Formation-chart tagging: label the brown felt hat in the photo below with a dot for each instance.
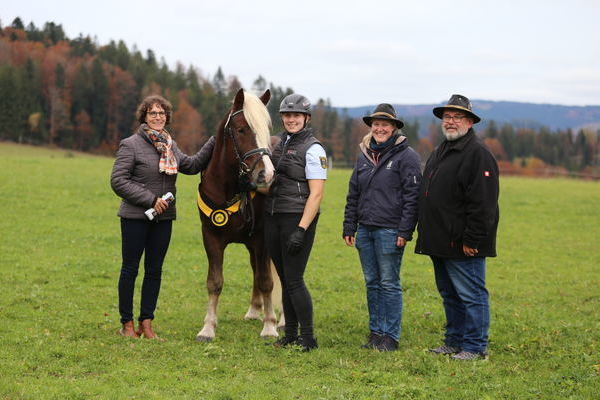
(457, 102)
(386, 112)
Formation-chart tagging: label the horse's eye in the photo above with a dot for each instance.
(240, 130)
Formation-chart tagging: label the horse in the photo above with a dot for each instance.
(231, 207)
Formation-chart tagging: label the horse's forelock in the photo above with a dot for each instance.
(258, 118)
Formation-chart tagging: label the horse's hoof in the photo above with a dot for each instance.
(204, 339)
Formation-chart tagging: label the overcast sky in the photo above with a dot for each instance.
(360, 52)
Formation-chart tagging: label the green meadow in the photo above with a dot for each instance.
(60, 261)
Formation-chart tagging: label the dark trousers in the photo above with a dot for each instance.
(461, 283)
(297, 303)
(139, 236)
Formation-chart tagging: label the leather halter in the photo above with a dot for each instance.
(261, 151)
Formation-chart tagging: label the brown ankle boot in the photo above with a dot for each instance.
(128, 330)
(145, 330)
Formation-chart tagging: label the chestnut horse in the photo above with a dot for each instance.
(231, 209)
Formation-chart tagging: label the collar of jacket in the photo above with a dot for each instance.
(295, 136)
(140, 131)
(461, 142)
(364, 145)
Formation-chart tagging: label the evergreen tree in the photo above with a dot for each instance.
(17, 24)
(99, 100)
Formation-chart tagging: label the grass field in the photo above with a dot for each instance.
(60, 260)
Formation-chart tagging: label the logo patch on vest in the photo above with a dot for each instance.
(389, 166)
(323, 162)
(291, 151)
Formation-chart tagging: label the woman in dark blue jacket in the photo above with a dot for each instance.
(381, 210)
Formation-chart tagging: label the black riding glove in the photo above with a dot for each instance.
(245, 185)
(296, 240)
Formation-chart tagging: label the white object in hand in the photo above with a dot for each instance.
(151, 212)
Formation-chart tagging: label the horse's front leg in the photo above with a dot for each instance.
(263, 281)
(214, 284)
(256, 300)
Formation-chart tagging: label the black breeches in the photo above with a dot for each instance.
(297, 303)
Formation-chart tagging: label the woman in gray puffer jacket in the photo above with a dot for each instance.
(145, 169)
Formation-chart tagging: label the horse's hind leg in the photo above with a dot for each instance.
(214, 284)
(276, 295)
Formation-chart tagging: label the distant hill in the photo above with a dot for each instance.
(520, 115)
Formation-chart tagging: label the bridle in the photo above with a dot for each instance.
(244, 169)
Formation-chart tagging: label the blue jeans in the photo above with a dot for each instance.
(381, 259)
(461, 283)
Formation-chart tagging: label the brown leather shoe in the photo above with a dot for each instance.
(145, 330)
(128, 330)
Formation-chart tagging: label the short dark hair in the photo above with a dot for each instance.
(147, 104)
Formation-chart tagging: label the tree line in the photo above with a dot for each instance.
(78, 94)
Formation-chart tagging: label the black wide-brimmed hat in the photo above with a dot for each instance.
(457, 102)
(386, 112)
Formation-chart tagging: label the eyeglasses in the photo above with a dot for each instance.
(455, 118)
(155, 114)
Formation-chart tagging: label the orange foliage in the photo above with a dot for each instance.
(425, 147)
(496, 148)
(186, 126)
(83, 130)
(120, 86)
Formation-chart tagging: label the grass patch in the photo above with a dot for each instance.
(61, 259)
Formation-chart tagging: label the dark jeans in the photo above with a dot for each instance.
(380, 259)
(461, 283)
(139, 236)
(297, 303)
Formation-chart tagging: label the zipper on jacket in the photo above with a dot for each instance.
(429, 178)
(299, 190)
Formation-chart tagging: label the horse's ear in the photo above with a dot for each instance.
(266, 96)
(238, 102)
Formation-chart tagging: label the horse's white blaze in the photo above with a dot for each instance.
(269, 169)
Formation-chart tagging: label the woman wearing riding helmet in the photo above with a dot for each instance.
(292, 207)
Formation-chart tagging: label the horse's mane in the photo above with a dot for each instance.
(258, 118)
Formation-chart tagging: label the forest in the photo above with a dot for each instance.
(75, 93)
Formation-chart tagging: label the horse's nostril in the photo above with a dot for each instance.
(261, 177)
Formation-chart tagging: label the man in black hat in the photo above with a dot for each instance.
(458, 219)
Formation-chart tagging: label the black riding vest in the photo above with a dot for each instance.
(289, 191)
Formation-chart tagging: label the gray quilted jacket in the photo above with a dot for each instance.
(136, 179)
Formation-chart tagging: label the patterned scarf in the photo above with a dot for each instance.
(163, 143)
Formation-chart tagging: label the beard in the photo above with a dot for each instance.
(457, 134)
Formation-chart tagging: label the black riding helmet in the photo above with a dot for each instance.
(295, 103)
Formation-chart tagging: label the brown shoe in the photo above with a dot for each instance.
(145, 330)
(128, 330)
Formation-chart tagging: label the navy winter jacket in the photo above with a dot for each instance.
(384, 193)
